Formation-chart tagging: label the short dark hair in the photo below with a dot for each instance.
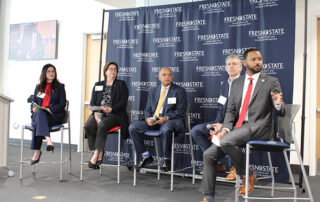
(245, 54)
(107, 66)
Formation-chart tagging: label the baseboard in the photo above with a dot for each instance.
(27, 143)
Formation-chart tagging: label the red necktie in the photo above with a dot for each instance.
(245, 104)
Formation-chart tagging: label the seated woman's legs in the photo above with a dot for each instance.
(41, 130)
(97, 137)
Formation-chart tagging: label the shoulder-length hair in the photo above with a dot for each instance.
(43, 79)
(105, 68)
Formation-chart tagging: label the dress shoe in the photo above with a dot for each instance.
(232, 174)
(145, 161)
(221, 168)
(252, 180)
(166, 166)
(32, 162)
(50, 148)
(93, 165)
(206, 200)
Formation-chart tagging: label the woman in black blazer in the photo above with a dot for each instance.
(51, 95)
(109, 98)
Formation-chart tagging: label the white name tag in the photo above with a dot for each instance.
(222, 100)
(98, 88)
(41, 95)
(172, 100)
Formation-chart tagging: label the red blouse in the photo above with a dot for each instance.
(46, 99)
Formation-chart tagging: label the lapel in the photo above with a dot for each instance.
(225, 88)
(169, 94)
(156, 97)
(261, 80)
(239, 90)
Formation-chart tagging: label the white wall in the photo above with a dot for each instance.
(75, 17)
(78, 17)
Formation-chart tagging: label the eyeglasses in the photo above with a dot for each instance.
(112, 69)
(51, 71)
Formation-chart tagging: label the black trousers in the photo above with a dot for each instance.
(97, 132)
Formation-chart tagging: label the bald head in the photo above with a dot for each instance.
(165, 76)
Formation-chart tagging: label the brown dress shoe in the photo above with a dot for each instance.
(232, 174)
(221, 168)
(252, 180)
(204, 200)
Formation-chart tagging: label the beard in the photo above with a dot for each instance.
(255, 69)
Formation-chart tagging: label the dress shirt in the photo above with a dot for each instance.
(162, 87)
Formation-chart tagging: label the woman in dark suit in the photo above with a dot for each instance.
(51, 95)
(109, 97)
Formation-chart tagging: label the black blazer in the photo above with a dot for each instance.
(119, 96)
(57, 103)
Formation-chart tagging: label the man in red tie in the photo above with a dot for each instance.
(253, 99)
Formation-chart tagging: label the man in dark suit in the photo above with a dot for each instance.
(200, 133)
(164, 111)
(253, 98)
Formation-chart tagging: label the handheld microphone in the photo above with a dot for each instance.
(209, 127)
(154, 118)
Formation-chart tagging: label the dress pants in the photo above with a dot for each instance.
(138, 128)
(230, 145)
(41, 122)
(200, 135)
(97, 132)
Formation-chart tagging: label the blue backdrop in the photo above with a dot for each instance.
(193, 40)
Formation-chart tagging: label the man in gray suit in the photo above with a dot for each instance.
(253, 98)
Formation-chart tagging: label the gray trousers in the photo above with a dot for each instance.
(97, 133)
(230, 145)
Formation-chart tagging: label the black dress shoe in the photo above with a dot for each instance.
(50, 148)
(145, 161)
(166, 166)
(32, 162)
(92, 165)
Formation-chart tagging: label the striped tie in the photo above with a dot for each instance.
(161, 101)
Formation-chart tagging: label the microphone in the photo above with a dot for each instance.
(209, 127)
(154, 118)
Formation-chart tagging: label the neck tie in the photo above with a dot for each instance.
(160, 102)
(245, 104)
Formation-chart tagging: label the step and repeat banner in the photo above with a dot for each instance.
(193, 40)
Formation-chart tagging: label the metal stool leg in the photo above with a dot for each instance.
(158, 159)
(134, 167)
(172, 162)
(21, 151)
(81, 154)
(69, 131)
(271, 172)
(237, 187)
(119, 150)
(61, 154)
(247, 171)
(192, 159)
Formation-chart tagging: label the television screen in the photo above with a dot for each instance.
(33, 41)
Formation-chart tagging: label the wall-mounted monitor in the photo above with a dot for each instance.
(33, 41)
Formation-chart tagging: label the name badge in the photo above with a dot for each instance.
(98, 88)
(172, 100)
(222, 100)
(41, 95)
